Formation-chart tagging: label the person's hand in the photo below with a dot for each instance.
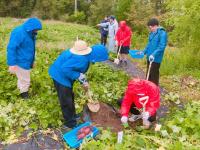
(151, 58)
(98, 25)
(86, 86)
(33, 65)
(82, 78)
(139, 53)
(12, 69)
(124, 119)
(146, 122)
(145, 115)
(116, 43)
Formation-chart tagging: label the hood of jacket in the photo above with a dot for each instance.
(32, 24)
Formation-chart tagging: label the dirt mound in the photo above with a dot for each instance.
(107, 117)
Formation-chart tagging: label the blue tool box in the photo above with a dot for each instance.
(71, 136)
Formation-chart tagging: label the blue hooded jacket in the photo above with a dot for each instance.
(68, 66)
(21, 47)
(156, 45)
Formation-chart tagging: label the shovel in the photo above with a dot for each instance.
(93, 106)
(116, 60)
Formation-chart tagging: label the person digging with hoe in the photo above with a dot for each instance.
(142, 99)
(70, 66)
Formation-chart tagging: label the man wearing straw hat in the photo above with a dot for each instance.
(70, 66)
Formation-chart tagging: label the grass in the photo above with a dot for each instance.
(43, 108)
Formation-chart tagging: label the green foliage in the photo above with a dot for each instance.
(140, 13)
(184, 17)
(123, 9)
(42, 110)
(180, 131)
(99, 9)
(79, 17)
(22, 8)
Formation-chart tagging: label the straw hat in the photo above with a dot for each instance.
(80, 48)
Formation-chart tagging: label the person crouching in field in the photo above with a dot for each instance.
(123, 41)
(142, 99)
(71, 65)
(21, 53)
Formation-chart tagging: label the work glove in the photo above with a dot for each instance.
(145, 117)
(134, 117)
(151, 58)
(82, 78)
(124, 119)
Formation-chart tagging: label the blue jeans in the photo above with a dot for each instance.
(66, 98)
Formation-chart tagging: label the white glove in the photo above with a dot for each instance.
(151, 58)
(124, 119)
(145, 115)
(82, 79)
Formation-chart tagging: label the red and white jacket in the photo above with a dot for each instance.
(138, 90)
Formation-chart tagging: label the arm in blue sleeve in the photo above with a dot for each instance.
(104, 24)
(162, 43)
(146, 48)
(14, 43)
(70, 72)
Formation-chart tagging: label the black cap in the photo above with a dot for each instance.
(153, 22)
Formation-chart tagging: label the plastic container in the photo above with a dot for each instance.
(133, 54)
(71, 136)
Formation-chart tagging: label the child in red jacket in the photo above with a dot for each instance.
(123, 40)
(142, 98)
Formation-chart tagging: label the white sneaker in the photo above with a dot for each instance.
(134, 118)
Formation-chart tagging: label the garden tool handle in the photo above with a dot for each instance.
(149, 69)
(120, 46)
(89, 95)
(145, 99)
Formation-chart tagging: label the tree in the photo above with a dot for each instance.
(140, 13)
(123, 9)
(99, 9)
(184, 16)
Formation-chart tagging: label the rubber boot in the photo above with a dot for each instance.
(24, 95)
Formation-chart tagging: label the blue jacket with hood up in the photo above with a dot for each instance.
(156, 45)
(68, 66)
(21, 47)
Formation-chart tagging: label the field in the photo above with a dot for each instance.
(180, 129)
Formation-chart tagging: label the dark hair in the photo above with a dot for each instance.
(112, 17)
(153, 22)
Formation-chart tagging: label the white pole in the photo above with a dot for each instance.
(75, 7)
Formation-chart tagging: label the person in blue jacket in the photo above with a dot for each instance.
(104, 31)
(71, 65)
(21, 53)
(155, 48)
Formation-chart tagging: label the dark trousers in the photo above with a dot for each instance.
(66, 98)
(103, 39)
(135, 111)
(154, 72)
